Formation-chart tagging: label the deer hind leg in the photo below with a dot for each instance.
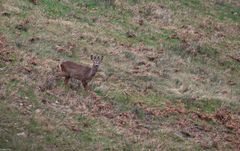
(65, 75)
(66, 79)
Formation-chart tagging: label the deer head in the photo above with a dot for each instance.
(96, 60)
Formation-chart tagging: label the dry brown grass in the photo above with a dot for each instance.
(168, 86)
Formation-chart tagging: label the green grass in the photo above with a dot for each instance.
(129, 55)
(12, 85)
(120, 97)
(13, 134)
(208, 106)
(55, 9)
(28, 93)
(34, 126)
(108, 117)
(227, 11)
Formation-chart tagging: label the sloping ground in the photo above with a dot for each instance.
(169, 79)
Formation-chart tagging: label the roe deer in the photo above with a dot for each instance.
(83, 73)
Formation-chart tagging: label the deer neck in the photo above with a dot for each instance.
(93, 71)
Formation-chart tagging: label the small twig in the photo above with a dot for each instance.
(234, 58)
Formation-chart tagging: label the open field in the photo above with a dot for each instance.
(169, 80)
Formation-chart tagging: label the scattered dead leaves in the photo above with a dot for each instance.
(72, 125)
(201, 133)
(189, 35)
(102, 108)
(33, 61)
(129, 123)
(3, 45)
(155, 12)
(5, 50)
(223, 115)
(169, 110)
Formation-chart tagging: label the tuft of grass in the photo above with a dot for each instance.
(34, 126)
(11, 86)
(154, 100)
(120, 97)
(208, 105)
(208, 51)
(55, 8)
(28, 93)
(101, 90)
(227, 64)
(226, 11)
(85, 121)
(94, 3)
(110, 71)
(129, 55)
(139, 112)
(196, 4)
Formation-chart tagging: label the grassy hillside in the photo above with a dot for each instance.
(169, 80)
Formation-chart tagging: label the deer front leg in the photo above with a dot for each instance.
(84, 83)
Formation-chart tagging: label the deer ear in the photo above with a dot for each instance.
(91, 57)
